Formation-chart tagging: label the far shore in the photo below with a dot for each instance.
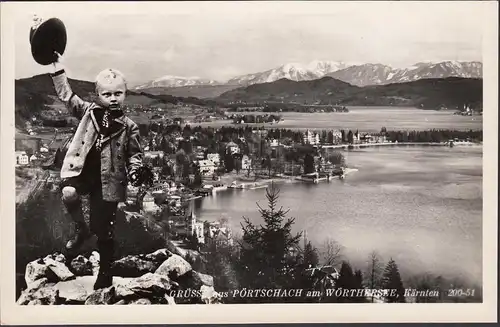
(243, 182)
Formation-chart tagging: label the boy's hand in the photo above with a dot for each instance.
(58, 64)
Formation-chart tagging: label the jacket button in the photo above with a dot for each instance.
(70, 165)
(118, 143)
(83, 142)
(119, 156)
(77, 154)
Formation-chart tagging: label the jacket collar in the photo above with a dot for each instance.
(120, 120)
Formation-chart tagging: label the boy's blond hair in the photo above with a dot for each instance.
(108, 76)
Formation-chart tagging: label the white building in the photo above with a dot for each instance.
(246, 162)
(207, 167)
(274, 142)
(311, 138)
(337, 136)
(197, 227)
(22, 158)
(148, 203)
(214, 157)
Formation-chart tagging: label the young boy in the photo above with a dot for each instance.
(104, 154)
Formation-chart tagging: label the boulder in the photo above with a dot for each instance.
(94, 259)
(133, 266)
(101, 296)
(51, 267)
(81, 266)
(79, 289)
(142, 301)
(184, 253)
(123, 291)
(37, 284)
(59, 257)
(209, 295)
(59, 269)
(174, 267)
(150, 285)
(38, 269)
(46, 295)
(196, 280)
(27, 295)
(75, 290)
(159, 255)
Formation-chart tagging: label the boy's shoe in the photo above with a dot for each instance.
(104, 279)
(82, 234)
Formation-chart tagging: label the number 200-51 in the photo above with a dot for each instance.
(460, 292)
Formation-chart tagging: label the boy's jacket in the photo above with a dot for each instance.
(121, 153)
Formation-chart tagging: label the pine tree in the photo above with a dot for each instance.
(392, 281)
(345, 281)
(358, 284)
(308, 164)
(267, 257)
(310, 256)
(373, 272)
(193, 243)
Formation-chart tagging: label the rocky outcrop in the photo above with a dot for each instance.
(133, 266)
(51, 267)
(174, 267)
(159, 277)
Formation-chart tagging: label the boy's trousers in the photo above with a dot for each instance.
(102, 213)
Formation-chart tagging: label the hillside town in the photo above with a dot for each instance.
(188, 163)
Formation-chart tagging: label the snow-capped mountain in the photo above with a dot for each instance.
(293, 71)
(376, 74)
(353, 73)
(176, 81)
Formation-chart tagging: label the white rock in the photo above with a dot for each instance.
(59, 269)
(37, 269)
(150, 284)
(95, 259)
(209, 295)
(174, 267)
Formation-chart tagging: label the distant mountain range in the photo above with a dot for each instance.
(293, 71)
(451, 92)
(376, 74)
(176, 81)
(355, 74)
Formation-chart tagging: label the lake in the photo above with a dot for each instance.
(421, 206)
(372, 119)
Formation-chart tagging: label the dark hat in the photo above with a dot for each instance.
(47, 37)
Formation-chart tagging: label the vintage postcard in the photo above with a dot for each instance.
(249, 162)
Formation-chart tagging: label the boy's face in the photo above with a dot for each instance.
(111, 95)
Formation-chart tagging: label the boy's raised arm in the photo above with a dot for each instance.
(73, 102)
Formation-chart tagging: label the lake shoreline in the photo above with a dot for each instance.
(427, 216)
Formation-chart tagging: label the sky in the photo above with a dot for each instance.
(219, 40)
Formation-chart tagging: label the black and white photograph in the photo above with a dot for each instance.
(194, 156)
